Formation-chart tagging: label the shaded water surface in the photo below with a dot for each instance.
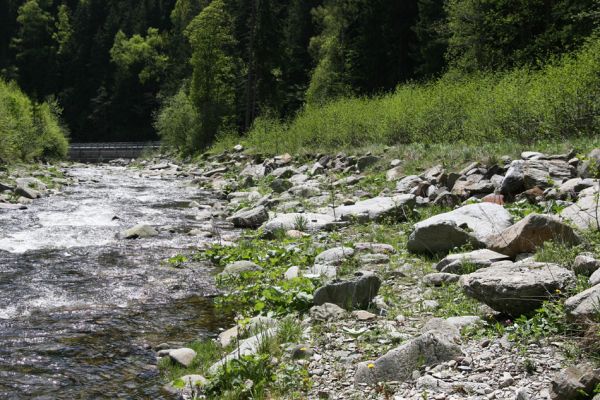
(79, 308)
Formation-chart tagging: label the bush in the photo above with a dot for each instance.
(27, 130)
(178, 123)
(559, 101)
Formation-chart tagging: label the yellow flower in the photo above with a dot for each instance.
(557, 291)
(303, 349)
(370, 365)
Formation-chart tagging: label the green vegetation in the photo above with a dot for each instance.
(28, 130)
(560, 101)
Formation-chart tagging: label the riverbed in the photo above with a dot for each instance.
(80, 308)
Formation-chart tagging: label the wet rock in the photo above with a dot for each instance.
(376, 209)
(531, 232)
(459, 263)
(439, 279)
(238, 267)
(584, 305)
(517, 288)
(356, 293)
(439, 343)
(249, 218)
(327, 312)
(304, 222)
(9, 206)
(472, 224)
(183, 356)
(575, 382)
(140, 231)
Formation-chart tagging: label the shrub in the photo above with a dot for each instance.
(27, 130)
(558, 101)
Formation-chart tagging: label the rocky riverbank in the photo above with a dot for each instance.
(470, 284)
(351, 279)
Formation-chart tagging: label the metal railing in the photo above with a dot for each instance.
(103, 152)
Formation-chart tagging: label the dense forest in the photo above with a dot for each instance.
(195, 69)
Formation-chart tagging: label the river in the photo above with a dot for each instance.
(81, 309)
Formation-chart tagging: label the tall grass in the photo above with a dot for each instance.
(28, 130)
(559, 101)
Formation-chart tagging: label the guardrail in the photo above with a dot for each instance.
(103, 152)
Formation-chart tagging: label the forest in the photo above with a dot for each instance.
(195, 71)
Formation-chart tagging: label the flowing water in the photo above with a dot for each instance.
(79, 308)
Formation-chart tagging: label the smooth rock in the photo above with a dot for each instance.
(473, 224)
(250, 218)
(238, 267)
(586, 264)
(432, 347)
(183, 356)
(585, 214)
(530, 233)
(584, 305)
(140, 231)
(356, 293)
(517, 288)
(457, 263)
(376, 209)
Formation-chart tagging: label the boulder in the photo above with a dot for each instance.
(378, 248)
(334, 256)
(280, 185)
(249, 218)
(459, 263)
(356, 293)
(586, 264)
(408, 183)
(183, 356)
(517, 288)
(531, 232)
(439, 343)
(27, 192)
(300, 221)
(584, 305)
(471, 224)
(238, 267)
(527, 174)
(326, 312)
(585, 214)
(394, 174)
(575, 382)
(255, 325)
(440, 279)
(140, 231)
(5, 187)
(376, 209)
(255, 171)
(366, 161)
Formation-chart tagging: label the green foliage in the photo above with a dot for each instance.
(265, 291)
(558, 102)
(213, 79)
(178, 122)
(142, 54)
(28, 130)
(548, 321)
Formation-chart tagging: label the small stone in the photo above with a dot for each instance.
(183, 356)
(363, 315)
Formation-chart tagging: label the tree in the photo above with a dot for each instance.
(144, 55)
(213, 78)
(429, 49)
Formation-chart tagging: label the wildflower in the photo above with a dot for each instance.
(370, 365)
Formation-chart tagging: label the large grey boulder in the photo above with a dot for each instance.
(249, 218)
(585, 214)
(458, 263)
(584, 305)
(517, 288)
(576, 382)
(527, 174)
(472, 224)
(439, 343)
(255, 171)
(356, 293)
(301, 221)
(406, 184)
(530, 233)
(376, 209)
(586, 264)
(140, 231)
